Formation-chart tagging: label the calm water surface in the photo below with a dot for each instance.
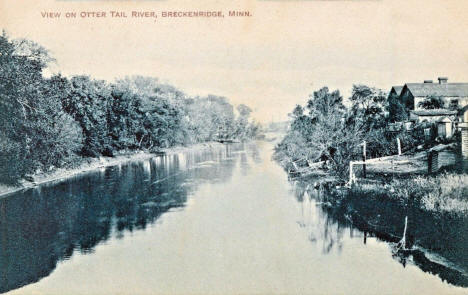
(220, 221)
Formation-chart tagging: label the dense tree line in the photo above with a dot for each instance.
(327, 130)
(57, 121)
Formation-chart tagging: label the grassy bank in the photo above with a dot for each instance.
(443, 193)
(401, 178)
(447, 192)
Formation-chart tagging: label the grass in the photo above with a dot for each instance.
(447, 192)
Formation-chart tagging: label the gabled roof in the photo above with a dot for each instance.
(436, 89)
(397, 89)
(444, 120)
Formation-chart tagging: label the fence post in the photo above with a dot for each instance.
(464, 146)
(399, 146)
(464, 140)
(432, 162)
(364, 159)
(352, 178)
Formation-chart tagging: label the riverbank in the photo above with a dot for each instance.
(435, 238)
(399, 188)
(403, 175)
(90, 164)
(396, 165)
(443, 193)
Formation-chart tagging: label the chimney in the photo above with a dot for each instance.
(427, 81)
(443, 80)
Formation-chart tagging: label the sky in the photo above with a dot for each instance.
(270, 61)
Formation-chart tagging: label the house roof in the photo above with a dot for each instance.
(444, 120)
(436, 89)
(397, 89)
(434, 112)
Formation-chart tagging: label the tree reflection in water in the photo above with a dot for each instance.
(319, 225)
(43, 226)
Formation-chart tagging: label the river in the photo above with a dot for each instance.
(220, 221)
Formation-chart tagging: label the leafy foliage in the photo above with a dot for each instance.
(35, 132)
(56, 122)
(431, 102)
(325, 130)
(397, 110)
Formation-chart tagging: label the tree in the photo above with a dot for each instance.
(321, 130)
(35, 132)
(244, 111)
(57, 138)
(55, 122)
(332, 133)
(87, 102)
(210, 118)
(158, 107)
(369, 103)
(124, 119)
(431, 102)
(161, 122)
(328, 137)
(396, 109)
(242, 122)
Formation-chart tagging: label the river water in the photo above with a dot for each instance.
(219, 221)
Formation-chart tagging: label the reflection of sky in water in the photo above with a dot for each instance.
(222, 221)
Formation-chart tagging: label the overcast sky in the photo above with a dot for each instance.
(270, 61)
